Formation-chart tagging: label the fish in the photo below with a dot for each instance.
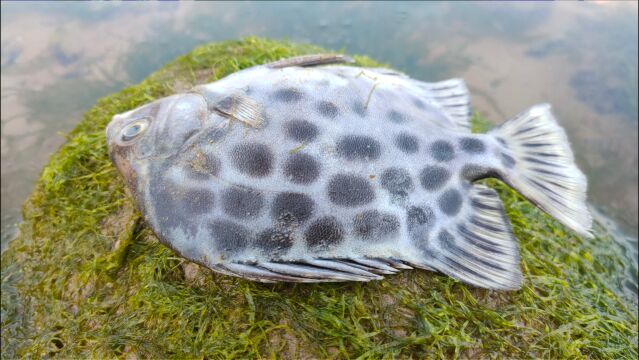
(309, 169)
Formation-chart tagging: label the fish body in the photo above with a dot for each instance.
(293, 171)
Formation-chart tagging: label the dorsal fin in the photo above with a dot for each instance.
(453, 96)
(311, 60)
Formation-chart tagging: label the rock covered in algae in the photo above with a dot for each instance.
(87, 278)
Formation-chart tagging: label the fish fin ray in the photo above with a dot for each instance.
(453, 96)
(553, 181)
(315, 272)
(480, 250)
(315, 269)
(311, 60)
(241, 108)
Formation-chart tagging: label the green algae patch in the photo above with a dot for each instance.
(87, 278)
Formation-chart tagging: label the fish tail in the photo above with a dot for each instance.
(538, 162)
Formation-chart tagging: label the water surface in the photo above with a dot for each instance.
(59, 58)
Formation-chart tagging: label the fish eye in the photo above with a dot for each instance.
(134, 129)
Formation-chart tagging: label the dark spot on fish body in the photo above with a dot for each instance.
(442, 151)
(203, 165)
(253, 159)
(301, 168)
(407, 143)
(419, 221)
(350, 190)
(397, 181)
(472, 172)
(396, 117)
(359, 108)
(327, 109)
(358, 148)
(434, 177)
(472, 145)
(418, 103)
(274, 241)
(214, 135)
(228, 236)
(242, 202)
(288, 95)
(373, 225)
(301, 130)
(450, 202)
(324, 232)
(169, 209)
(197, 201)
(291, 208)
(507, 160)
(446, 241)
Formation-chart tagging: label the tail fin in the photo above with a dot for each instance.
(539, 163)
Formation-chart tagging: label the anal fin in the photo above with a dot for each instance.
(314, 270)
(481, 249)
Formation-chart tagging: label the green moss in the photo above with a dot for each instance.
(86, 277)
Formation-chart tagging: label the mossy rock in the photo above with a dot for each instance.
(86, 277)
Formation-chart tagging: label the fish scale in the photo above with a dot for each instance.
(305, 170)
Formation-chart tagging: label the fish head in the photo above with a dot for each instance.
(154, 132)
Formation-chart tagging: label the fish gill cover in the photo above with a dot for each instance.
(87, 278)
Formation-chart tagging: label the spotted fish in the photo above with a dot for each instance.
(309, 170)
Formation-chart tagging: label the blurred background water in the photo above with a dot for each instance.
(59, 58)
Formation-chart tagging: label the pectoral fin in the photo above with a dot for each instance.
(241, 108)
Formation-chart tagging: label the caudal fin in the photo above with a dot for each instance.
(538, 162)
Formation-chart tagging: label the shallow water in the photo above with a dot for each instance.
(59, 58)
